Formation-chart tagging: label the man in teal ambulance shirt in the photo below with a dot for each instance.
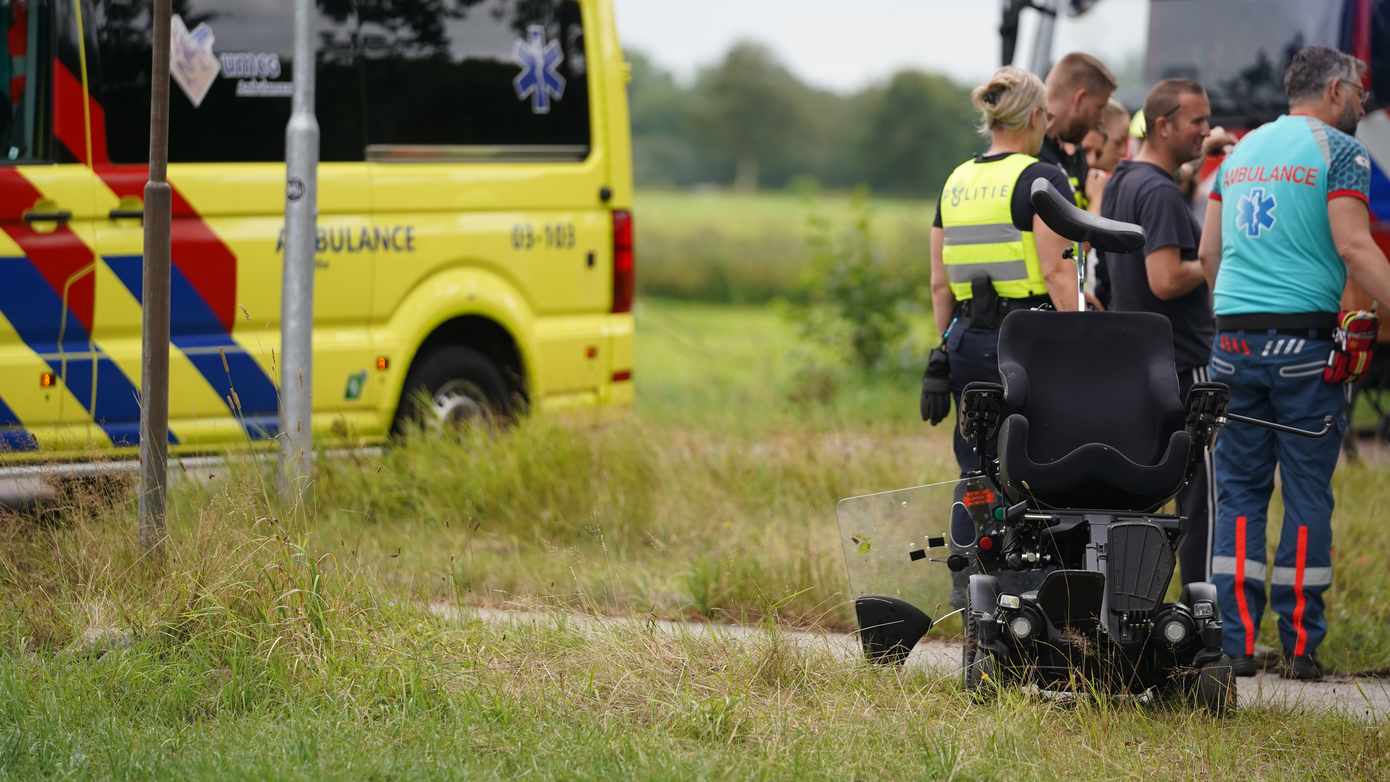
(1287, 220)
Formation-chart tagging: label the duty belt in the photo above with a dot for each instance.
(1002, 307)
(1314, 325)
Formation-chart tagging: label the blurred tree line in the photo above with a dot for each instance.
(749, 122)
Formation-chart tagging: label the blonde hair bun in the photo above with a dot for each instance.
(1008, 99)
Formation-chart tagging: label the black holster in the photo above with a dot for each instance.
(984, 302)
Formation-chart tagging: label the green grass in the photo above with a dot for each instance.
(750, 248)
(396, 694)
(743, 369)
(293, 642)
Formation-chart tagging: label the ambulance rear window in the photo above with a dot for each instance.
(492, 79)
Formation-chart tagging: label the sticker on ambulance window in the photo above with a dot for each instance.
(256, 74)
(191, 61)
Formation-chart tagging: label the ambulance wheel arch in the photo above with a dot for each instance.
(468, 367)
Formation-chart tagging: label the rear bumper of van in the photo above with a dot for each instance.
(584, 361)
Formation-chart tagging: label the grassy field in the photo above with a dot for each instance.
(293, 642)
(730, 247)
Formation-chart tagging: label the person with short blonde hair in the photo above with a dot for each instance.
(1078, 88)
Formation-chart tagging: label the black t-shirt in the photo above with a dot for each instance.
(1077, 170)
(1074, 165)
(1145, 194)
(1020, 208)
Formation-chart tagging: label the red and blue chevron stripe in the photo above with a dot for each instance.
(49, 298)
(13, 435)
(197, 331)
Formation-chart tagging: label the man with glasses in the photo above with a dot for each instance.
(1287, 221)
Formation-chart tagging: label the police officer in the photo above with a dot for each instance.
(990, 253)
(1287, 220)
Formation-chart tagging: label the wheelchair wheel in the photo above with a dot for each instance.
(1210, 687)
(1213, 687)
(979, 674)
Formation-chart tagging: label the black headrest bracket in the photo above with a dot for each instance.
(1079, 225)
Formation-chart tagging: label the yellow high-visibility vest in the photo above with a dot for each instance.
(980, 234)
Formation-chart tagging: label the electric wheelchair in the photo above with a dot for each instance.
(1061, 552)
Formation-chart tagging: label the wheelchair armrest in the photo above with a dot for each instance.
(1206, 409)
(981, 410)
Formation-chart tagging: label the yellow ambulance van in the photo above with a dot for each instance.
(474, 234)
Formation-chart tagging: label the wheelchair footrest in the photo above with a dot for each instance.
(1139, 564)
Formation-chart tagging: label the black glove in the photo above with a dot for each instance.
(936, 387)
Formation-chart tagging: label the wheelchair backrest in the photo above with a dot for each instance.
(1091, 377)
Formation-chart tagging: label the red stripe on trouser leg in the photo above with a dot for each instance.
(1241, 603)
(1300, 645)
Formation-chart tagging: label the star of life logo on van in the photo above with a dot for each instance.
(540, 78)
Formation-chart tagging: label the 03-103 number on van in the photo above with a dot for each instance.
(550, 236)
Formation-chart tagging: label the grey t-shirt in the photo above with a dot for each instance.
(1145, 194)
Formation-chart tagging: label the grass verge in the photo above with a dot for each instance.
(255, 656)
(288, 642)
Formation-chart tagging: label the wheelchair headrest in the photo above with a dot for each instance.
(1079, 225)
(1088, 377)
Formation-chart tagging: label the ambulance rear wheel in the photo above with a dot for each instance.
(452, 387)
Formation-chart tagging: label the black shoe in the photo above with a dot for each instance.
(1244, 666)
(1304, 667)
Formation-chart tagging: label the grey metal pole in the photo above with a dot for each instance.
(154, 356)
(297, 303)
(1047, 12)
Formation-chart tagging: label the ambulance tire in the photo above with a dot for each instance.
(452, 386)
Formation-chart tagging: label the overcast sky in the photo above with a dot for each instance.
(844, 44)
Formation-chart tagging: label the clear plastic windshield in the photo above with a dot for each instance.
(896, 543)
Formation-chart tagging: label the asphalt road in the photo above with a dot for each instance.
(1364, 698)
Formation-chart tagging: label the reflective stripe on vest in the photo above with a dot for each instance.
(980, 236)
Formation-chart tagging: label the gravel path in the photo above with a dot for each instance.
(1364, 698)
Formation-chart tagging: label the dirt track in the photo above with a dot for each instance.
(1365, 698)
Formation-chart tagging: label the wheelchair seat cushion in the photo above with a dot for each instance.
(1093, 414)
(1094, 475)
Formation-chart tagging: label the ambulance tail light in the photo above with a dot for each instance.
(624, 268)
